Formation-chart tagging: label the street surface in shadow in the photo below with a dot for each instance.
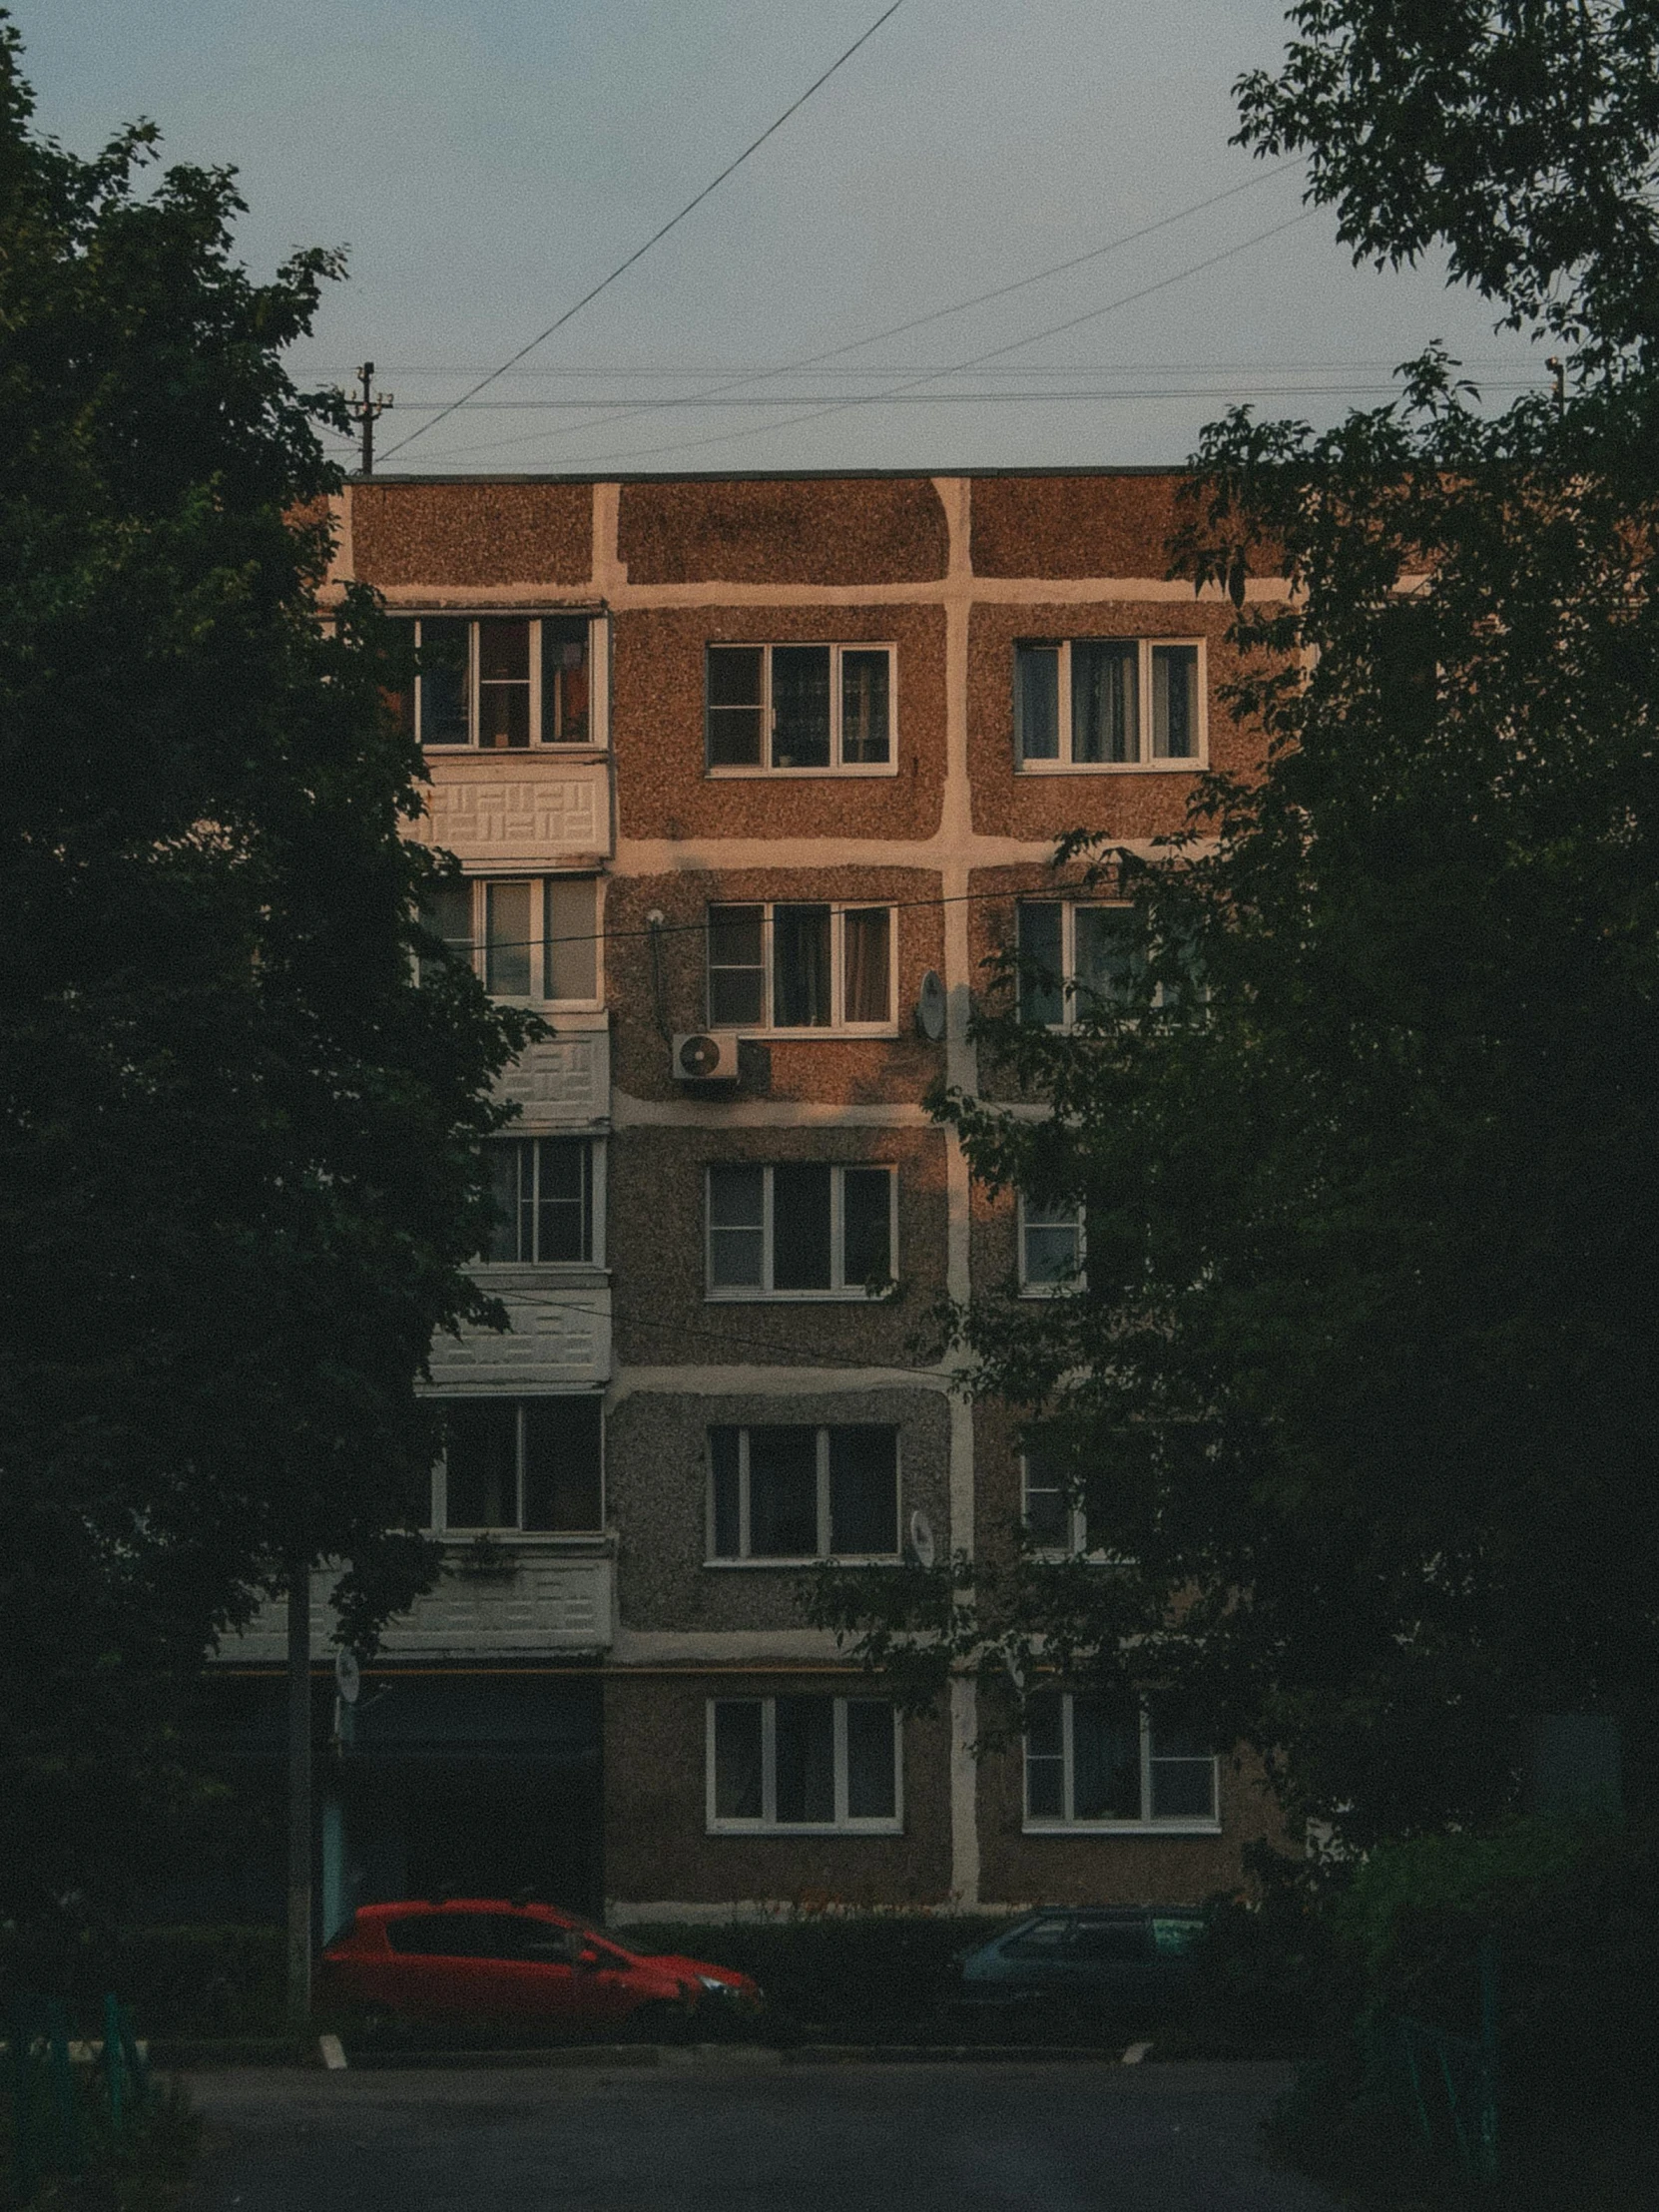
(740, 2132)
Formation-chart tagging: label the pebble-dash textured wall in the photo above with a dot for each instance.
(473, 534)
(852, 531)
(1114, 525)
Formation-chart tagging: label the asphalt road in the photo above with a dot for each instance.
(745, 2136)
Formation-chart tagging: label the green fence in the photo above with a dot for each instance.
(1448, 2083)
(59, 2108)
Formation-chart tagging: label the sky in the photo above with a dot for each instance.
(487, 162)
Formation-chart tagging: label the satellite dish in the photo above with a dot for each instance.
(921, 1539)
(930, 1006)
(348, 1676)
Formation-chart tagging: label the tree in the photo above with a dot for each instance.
(1361, 1385)
(238, 1171)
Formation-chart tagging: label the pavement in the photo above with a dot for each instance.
(734, 2131)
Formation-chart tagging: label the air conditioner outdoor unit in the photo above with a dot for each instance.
(707, 1056)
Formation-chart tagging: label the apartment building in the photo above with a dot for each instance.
(749, 777)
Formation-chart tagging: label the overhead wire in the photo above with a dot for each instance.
(640, 252)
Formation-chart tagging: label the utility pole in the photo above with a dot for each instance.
(366, 409)
(300, 1794)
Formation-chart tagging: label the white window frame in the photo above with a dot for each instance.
(1076, 1546)
(478, 885)
(745, 1558)
(1186, 765)
(1078, 1282)
(768, 1825)
(837, 766)
(599, 682)
(838, 909)
(841, 1290)
(1070, 908)
(595, 1204)
(1065, 1823)
(439, 1524)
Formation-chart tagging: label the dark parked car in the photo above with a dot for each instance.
(1092, 1957)
(482, 1960)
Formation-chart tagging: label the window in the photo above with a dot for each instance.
(1108, 702)
(1050, 1246)
(1055, 1518)
(802, 710)
(815, 967)
(803, 1493)
(802, 1762)
(543, 1192)
(505, 682)
(528, 938)
(1076, 960)
(531, 1464)
(799, 1231)
(1110, 1762)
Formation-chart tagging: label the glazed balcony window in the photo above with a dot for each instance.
(805, 1763)
(507, 683)
(1108, 704)
(799, 1230)
(801, 967)
(543, 1187)
(798, 709)
(530, 938)
(533, 1464)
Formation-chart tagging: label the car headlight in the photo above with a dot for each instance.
(720, 1989)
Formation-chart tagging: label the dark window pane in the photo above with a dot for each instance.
(738, 1759)
(801, 706)
(868, 935)
(1175, 701)
(723, 1474)
(1106, 1759)
(1110, 960)
(507, 940)
(734, 706)
(562, 1459)
(447, 914)
(507, 1160)
(1051, 1243)
(564, 680)
(737, 966)
(1047, 1512)
(864, 738)
(1044, 1760)
(504, 684)
(806, 1760)
(443, 682)
(801, 995)
(1041, 997)
(864, 1490)
(481, 1461)
(1115, 1940)
(737, 1226)
(800, 1228)
(1042, 1940)
(871, 1792)
(867, 1215)
(564, 1200)
(445, 1934)
(572, 936)
(1105, 701)
(1037, 702)
(783, 1493)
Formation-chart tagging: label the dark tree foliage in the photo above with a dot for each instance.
(237, 1146)
(1361, 1385)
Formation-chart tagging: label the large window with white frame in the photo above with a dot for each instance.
(801, 1228)
(530, 1464)
(799, 710)
(525, 936)
(509, 683)
(799, 1765)
(547, 1201)
(1051, 1245)
(795, 1493)
(1077, 959)
(1116, 1763)
(803, 966)
(1054, 1515)
(1109, 703)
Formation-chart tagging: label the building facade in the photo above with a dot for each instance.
(749, 777)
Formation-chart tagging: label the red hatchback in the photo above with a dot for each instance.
(481, 1959)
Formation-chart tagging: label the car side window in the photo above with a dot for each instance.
(445, 1934)
(1042, 1940)
(1172, 1937)
(540, 1943)
(1113, 1941)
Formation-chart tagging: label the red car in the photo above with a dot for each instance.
(482, 1960)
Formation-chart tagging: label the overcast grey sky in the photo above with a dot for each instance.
(487, 160)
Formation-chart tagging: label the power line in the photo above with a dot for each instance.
(976, 399)
(979, 299)
(1072, 322)
(623, 267)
